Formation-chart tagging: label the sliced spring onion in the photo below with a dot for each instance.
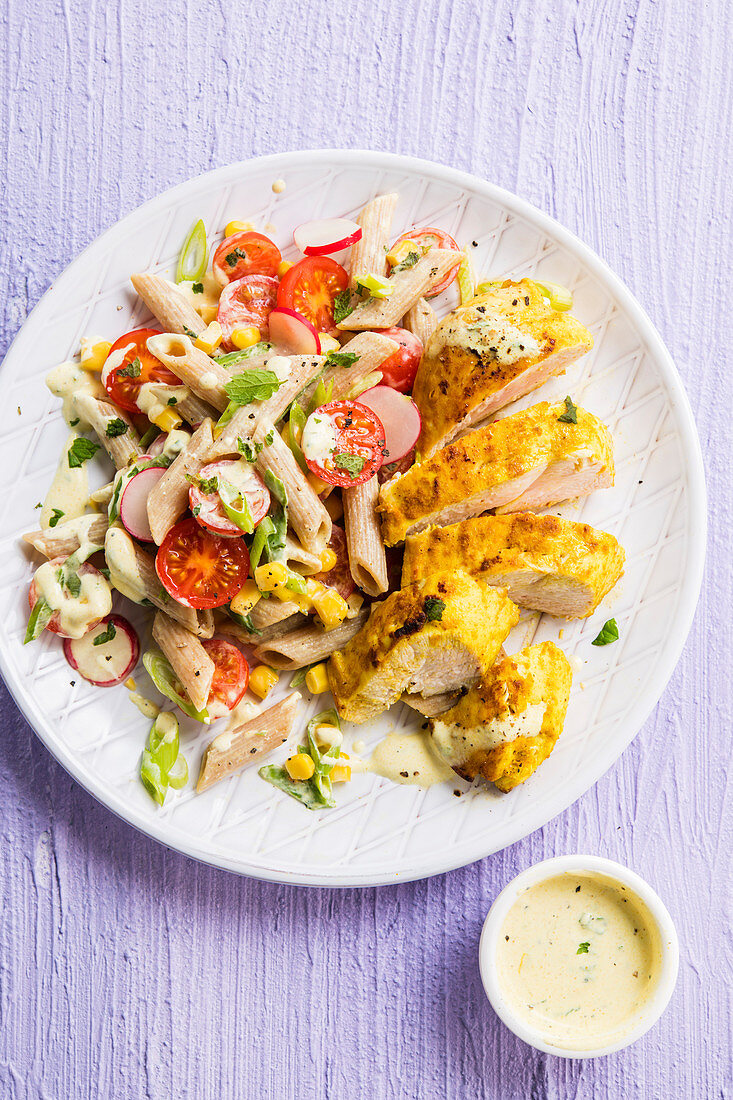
(295, 583)
(265, 528)
(321, 396)
(39, 619)
(296, 423)
(367, 383)
(300, 675)
(232, 358)
(375, 286)
(161, 673)
(487, 287)
(178, 774)
(276, 487)
(151, 434)
(302, 790)
(225, 417)
(162, 765)
(466, 280)
(245, 621)
(324, 761)
(236, 506)
(558, 296)
(192, 261)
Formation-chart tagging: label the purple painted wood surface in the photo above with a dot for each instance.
(130, 971)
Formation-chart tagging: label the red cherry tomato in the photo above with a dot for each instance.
(207, 507)
(310, 287)
(247, 301)
(426, 237)
(343, 443)
(400, 369)
(339, 576)
(53, 622)
(247, 253)
(123, 387)
(231, 674)
(201, 569)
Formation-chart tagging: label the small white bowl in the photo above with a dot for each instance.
(580, 864)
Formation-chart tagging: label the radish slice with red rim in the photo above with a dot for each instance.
(327, 236)
(107, 653)
(207, 507)
(292, 333)
(134, 502)
(399, 415)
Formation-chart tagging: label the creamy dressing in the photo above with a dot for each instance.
(176, 441)
(69, 490)
(492, 335)
(153, 398)
(578, 958)
(281, 365)
(278, 186)
(208, 380)
(114, 360)
(243, 712)
(408, 759)
(124, 575)
(206, 303)
(75, 613)
(319, 438)
(456, 743)
(146, 706)
(328, 737)
(68, 379)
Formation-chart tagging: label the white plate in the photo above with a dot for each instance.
(379, 832)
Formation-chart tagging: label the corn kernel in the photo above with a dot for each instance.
(167, 420)
(331, 608)
(328, 343)
(237, 227)
(401, 251)
(130, 683)
(93, 356)
(271, 576)
(354, 601)
(262, 680)
(245, 336)
(300, 766)
(316, 679)
(341, 773)
(245, 599)
(317, 485)
(210, 338)
(328, 559)
(283, 267)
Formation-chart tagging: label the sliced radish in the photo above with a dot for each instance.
(399, 415)
(208, 508)
(326, 237)
(112, 659)
(134, 502)
(292, 333)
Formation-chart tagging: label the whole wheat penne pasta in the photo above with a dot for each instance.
(168, 500)
(189, 660)
(371, 348)
(309, 644)
(241, 426)
(194, 410)
(103, 494)
(167, 305)
(367, 559)
(301, 560)
(368, 255)
(205, 627)
(132, 573)
(194, 367)
(104, 417)
(243, 745)
(268, 613)
(306, 515)
(66, 538)
(408, 286)
(421, 319)
(228, 627)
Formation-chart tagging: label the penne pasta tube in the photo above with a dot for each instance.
(367, 559)
(268, 613)
(369, 254)
(66, 538)
(167, 305)
(168, 500)
(408, 286)
(422, 320)
(301, 560)
(189, 660)
(103, 494)
(309, 644)
(105, 418)
(372, 349)
(306, 515)
(194, 410)
(236, 748)
(194, 367)
(228, 627)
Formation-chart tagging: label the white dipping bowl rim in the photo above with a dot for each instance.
(579, 864)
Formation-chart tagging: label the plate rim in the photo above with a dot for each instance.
(696, 546)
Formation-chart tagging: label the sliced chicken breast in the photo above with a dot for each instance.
(525, 462)
(488, 353)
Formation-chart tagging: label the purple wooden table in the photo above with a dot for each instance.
(128, 971)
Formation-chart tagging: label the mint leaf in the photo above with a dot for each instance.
(132, 370)
(198, 288)
(570, 416)
(81, 450)
(106, 635)
(342, 306)
(235, 255)
(248, 448)
(352, 464)
(409, 261)
(583, 948)
(55, 517)
(115, 427)
(433, 608)
(252, 385)
(73, 583)
(342, 358)
(607, 634)
(209, 484)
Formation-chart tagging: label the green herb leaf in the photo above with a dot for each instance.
(73, 583)
(342, 358)
(232, 358)
(172, 401)
(570, 416)
(235, 255)
(301, 791)
(209, 484)
(342, 306)
(198, 288)
(190, 333)
(607, 634)
(132, 370)
(583, 948)
(409, 261)
(248, 448)
(81, 450)
(55, 517)
(106, 635)
(352, 464)
(196, 509)
(270, 437)
(115, 427)
(73, 423)
(433, 608)
(39, 619)
(252, 385)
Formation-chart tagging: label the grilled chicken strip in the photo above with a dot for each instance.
(545, 563)
(438, 635)
(523, 463)
(509, 722)
(488, 353)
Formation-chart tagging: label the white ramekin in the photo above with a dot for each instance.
(579, 864)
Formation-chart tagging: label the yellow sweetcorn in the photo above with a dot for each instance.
(328, 559)
(245, 336)
(401, 251)
(271, 576)
(167, 420)
(300, 766)
(210, 338)
(316, 679)
(284, 266)
(328, 343)
(331, 608)
(92, 356)
(237, 227)
(262, 680)
(341, 773)
(245, 599)
(317, 485)
(130, 683)
(355, 601)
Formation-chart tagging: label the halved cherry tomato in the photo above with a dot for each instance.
(246, 301)
(339, 576)
(310, 287)
(137, 366)
(201, 569)
(343, 442)
(53, 622)
(231, 675)
(426, 237)
(247, 253)
(400, 369)
(207, 507)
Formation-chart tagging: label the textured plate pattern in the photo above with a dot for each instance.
(378, 832)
